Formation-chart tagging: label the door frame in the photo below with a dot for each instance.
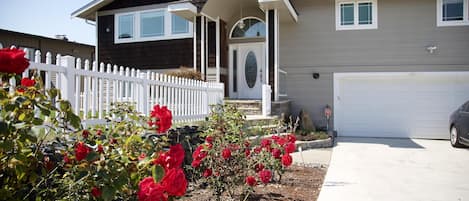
(235, 46)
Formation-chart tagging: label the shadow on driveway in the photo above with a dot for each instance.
(391, 142)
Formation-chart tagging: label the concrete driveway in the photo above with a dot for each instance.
(375, 169)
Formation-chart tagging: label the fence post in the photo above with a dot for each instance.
(67, 79)
(266, 99)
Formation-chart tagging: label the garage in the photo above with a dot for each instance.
(402, 105)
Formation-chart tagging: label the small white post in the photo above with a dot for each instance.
(108, 90)
(67, 79)
(146, 92)
(266, 100)
(26, 55)
(47, 78)
(86, 91)
(94, 90)
(101, 92)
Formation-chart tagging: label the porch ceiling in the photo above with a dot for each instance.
(227, 8)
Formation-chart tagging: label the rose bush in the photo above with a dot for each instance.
(227, 160)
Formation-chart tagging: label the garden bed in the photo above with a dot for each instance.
(298, 183)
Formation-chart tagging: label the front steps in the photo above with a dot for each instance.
(255, 120)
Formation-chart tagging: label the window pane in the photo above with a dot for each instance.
(126, 26)
(453, 10)
(346, 14)
(253, 28)
(152, 24)
(179, 25)
(364, 13)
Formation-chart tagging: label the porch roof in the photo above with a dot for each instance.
(183, 8)
(224, 8)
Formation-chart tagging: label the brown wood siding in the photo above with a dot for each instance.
(132, 3)
(161, 54)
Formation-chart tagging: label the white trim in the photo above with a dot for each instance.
(194, 39)
(439, 15)
(245, 18)
(202, 47)
(185, 10)
(356, 26)
(274, 4)
(168, 35)
(217, 42)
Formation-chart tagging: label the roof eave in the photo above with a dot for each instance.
(88, 11)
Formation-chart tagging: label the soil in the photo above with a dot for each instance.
(310, 137)
(298, 184)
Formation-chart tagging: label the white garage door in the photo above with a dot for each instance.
(415, 105)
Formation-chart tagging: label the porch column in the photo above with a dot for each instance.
(272, 22)
(202, 47)
(195, 43)
(217, 30)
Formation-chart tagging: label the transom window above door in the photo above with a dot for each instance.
(353, 14)
(249, 27)
(452, 12)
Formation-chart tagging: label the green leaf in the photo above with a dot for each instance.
(22, 116)
(92, 156)
(157, 172)
(37, 121)
(108, 193)
(65, 106)
(75, 121)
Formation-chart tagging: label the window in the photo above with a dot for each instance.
(250, 28)
(148, 25)
(126, 26)
(180, 25)
(452, 12)
(152, 24)
(354, 14)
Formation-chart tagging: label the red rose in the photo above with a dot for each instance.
(207, 173)
(259, 167)
(99, 132)
(257, 150)
(251, 181)
(265, 176)
(85, 133)
(26, 82)
(174, 182)
(279, 140)
(247, 152)
(247, 144)
(287, 160)
(100, 148)
(199, 153)
(171, 159)
(226, 153)
(209, 139)
(291, 138)
(113, 141)
(149, 190)
(81, 151)
(266, 142)
(289, 147)
(13, 61)
(196, 163)
(96, 192)
(161, 117)
(66, 159)
(276, 153)
(142, 156)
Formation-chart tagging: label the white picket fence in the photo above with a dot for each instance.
(91, 88)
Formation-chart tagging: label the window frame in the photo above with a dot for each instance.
(168, 35)
(439, 15)
(356, 14)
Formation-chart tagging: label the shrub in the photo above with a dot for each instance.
(228, 162)
(185, 72)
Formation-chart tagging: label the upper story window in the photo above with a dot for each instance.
(150, 25)
(356, 14)
(248, 28)
(452, 12)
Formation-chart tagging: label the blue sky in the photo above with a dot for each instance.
(46, 18)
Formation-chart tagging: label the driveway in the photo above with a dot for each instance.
(375, 169)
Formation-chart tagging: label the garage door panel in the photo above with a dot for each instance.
(398, 104)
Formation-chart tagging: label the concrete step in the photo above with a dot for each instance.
(248, 107)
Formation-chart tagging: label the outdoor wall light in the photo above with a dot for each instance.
(432, 48)
(315, 76)
(108, 30)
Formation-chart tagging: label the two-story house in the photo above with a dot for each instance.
(388, 68)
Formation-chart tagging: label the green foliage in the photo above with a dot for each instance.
(28, 119)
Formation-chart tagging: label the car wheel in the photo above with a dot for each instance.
(454, 138)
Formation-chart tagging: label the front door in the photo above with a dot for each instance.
(247, 70)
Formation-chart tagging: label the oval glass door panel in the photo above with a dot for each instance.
(250, 69)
